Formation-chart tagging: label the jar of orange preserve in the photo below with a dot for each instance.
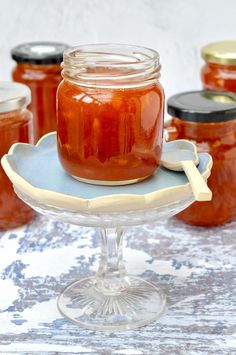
(38, 66)
(15, 126)
(208, 118)
(219, 72)
(110, 113)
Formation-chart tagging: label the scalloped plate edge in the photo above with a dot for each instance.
(109, 203)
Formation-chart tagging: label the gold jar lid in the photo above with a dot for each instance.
(223, 52)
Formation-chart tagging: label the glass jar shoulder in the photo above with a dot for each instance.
(39, 73)
(15, 126)
(219, 77)
(214, 138)
(15, 118)
(86, 94)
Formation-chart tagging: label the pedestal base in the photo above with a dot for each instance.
(133, 306)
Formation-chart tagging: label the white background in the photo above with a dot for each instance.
(176, 28)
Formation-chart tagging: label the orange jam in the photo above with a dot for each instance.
(38, 66)
(110, 133)
(213, 129)
(15, 126)
(219, 71)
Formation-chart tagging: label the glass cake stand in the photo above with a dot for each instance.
(112, 300)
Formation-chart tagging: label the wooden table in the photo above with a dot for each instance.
(195, 267)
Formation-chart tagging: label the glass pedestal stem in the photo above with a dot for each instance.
(111, 276)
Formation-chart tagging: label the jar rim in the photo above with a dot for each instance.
(108, 63)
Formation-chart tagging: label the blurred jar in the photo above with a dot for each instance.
(219, 72)
(208, 118)
(15, 126)
(38, 66)
(110, 113)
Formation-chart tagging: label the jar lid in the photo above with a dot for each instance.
(13, 96)
(203, 106)
(39, 52)
(223, 52)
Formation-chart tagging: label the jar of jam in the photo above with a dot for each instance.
(208, 118)
(38, 66)
(15, 126)
(110, 113)
(219, 72)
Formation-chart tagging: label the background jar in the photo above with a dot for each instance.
(38, 66)
(208, 118)
(15, 126)
(219, 72)
(110, 113)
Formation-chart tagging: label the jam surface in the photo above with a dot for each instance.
(219, 140)
(219, 77)
(15, 127)
(110, 134)
(43, 81)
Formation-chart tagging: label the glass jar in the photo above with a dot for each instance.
(219, 72)
(110, 113)
(38, 66)
(208, 118)
(15, 126)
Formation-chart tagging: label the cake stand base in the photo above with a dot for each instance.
(136, 304)
(112, 300)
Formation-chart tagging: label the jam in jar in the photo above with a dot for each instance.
(110, 113)
(38, 66)
(208, 118)
(219, 72)
(15, 126)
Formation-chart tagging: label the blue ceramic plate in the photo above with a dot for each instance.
(36, 171)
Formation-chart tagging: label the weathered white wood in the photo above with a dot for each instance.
(195, 267)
